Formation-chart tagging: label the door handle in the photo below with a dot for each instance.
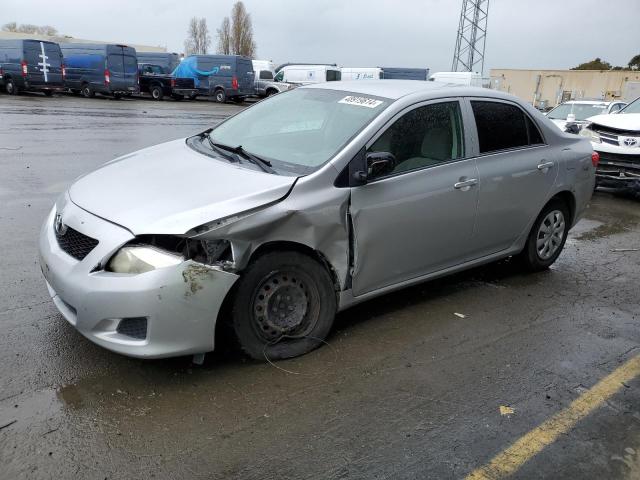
(465, 184)
(545, 165)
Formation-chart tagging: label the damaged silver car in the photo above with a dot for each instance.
(303, 205)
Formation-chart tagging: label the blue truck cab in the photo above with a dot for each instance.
(31, 65)
(100, 68)
(224, 77)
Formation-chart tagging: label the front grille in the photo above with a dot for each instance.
(135, 327)
(620, 157)
(75, 243)
(618, 165)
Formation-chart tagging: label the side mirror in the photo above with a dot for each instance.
(378, 164)
(572, 128)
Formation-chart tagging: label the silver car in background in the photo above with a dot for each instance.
(303, 205)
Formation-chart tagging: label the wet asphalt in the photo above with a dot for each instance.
(405, 388)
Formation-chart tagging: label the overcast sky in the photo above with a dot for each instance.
(403, 33)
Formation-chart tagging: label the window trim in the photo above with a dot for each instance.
(472, 118)
(423, 103)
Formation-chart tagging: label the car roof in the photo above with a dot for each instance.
(395, 89)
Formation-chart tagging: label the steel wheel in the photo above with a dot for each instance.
(282, 306)
(550, 234)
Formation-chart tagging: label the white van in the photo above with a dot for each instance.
(470, 79)
(306, 74)
(350, 73)
(266, 65)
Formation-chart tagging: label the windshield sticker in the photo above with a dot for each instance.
(361, 101)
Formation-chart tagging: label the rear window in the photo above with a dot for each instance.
(333, 75)
(131, 64)
(115, 63)
(266, 75)
(502, 126)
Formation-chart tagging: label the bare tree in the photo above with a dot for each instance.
(198, 40)
(224, 37)
(242, 31)
(28, 28)
(10, 27)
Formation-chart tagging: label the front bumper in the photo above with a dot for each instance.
(180, 304)
(618, 167)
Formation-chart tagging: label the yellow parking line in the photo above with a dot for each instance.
(510, 460)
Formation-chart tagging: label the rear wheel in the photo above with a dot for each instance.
(11, 87)
(220, 96)
(87, 91)
(283, 307)
(193, 96)
(271, 91)
(48, 93)
(156, 92)
(117, 96)
(547, 237)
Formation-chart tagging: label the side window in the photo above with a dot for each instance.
(266, 75)
(424, 137)
(279, 76)
(502, 126)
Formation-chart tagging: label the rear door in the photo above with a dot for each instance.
(44, 63)
(130, 63)
(245, 76)
(517, 172)
(115, 65)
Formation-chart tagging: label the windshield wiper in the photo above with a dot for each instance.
(221, 149)
(253, 158)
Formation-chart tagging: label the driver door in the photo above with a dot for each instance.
(419, 218)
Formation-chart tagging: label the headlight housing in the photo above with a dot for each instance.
(590, 134)
(141, 259)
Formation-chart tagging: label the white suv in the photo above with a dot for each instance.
(617, 139)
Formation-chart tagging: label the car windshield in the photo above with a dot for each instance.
(633, 107)
(300, 130)
(582, 111)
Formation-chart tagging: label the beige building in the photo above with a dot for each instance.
(547, 88)
(66, 39)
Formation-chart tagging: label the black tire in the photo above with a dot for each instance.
(117, 96)
(220, 96)
(177, 97)
(534, 257)
(48, 93)
(284, 306)
(11, 87)
(86, 91)
(271, 91)
(156, 92)
(193, 96)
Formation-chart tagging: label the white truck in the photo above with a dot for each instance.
(351, 73)
(470, 79)
(306, 74)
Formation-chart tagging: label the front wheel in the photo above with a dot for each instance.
(283, 307)
(547, 237)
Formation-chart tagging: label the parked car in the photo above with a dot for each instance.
(470, 79)
(308, 74)
(265, 85)
(278, 217)
(617, 139)
(578, 111)
(31, 66)
(158, 84)
(224, 77)
(167, 61)
(100, 68)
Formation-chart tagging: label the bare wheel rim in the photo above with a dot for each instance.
(155, 93)
(285, 304)
(219, 96)
(550, 234)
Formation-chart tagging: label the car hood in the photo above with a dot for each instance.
(170, 189)
(623, 121)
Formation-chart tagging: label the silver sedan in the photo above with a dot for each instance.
(303, 205)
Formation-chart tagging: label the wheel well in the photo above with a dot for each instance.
(569, 200)
(274, 90)
(297, 247)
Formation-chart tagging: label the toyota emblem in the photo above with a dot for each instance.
(630, 142)
(59, 226)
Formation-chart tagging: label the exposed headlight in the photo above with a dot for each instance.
(141, 259)
(590, 134)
